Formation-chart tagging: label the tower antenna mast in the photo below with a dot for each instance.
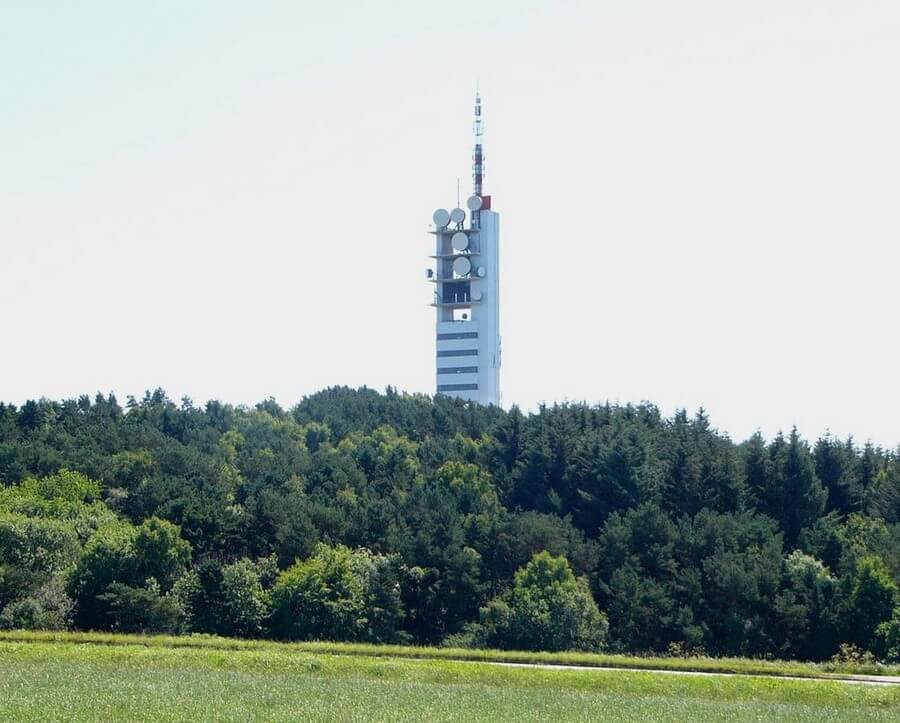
(477, 156)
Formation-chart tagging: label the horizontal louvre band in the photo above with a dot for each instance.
(458, 352)
(457, 387)
(458, 335)
(458, 370)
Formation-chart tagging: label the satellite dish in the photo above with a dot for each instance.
(459, 241)
(473, 203)
(481, 272)
(462, 266)
(475, 295)
(457, 215)
(441, 218)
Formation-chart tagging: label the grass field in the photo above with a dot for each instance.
(73, 678)
(746, 666)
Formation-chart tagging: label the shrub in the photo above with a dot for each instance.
(338, 594)
(887, 638)
(548, 608)
(141, 609)
(872, 600)
(231, 600)
(48, 608)
(850, 654)
(129, 557)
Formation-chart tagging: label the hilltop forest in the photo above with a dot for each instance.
(364, 516)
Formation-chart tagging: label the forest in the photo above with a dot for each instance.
(396, 518)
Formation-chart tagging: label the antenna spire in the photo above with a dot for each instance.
(478, 156)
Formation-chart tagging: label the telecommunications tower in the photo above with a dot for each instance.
(467, 291)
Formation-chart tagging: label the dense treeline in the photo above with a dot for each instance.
(396, 518)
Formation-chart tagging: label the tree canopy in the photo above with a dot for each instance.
(358, 515)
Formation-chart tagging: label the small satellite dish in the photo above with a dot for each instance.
(481, 272)
(441, 218)
(475, 295)
(462, 266)
(459, 241)
(457, 215)
(473, 203)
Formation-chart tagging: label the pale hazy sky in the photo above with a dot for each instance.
(699, 199)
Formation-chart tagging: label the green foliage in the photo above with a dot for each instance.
(785, 483)
(884, 497)
(37, 544)
(54, 495)
(639, 576)
(838, 468)
(107, 558)
(473, 490)
(66, 495)
(141, 609)
(128, 557)
(199, 592)
(228, 600)
(45, 608)
(887, 636)
(35, 554)
(682, 533)
(159, 553)
(245, 603)
(804, 618)
(42, 524)
(707, 581)
(739, 560)
(507, 541)
(704, 470)
(873, 597)
(548, 608)
(338, 594)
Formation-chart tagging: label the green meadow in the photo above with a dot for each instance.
(94, 678)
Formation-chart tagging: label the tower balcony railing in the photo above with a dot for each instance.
(457, 254)
(451, 278)
(450, 230)
(454, 301)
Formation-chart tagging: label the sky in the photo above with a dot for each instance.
(230, 200)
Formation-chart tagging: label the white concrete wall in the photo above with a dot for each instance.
(452, 344)
(456, 327)
(488, 311)
(445, 362)
(456, 379)
(485, 319)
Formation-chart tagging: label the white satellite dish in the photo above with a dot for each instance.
(473, 203)
(457, 215)
(481, 272)
(475, 295)
(462, 266)
(441, 218)
(459, 241)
